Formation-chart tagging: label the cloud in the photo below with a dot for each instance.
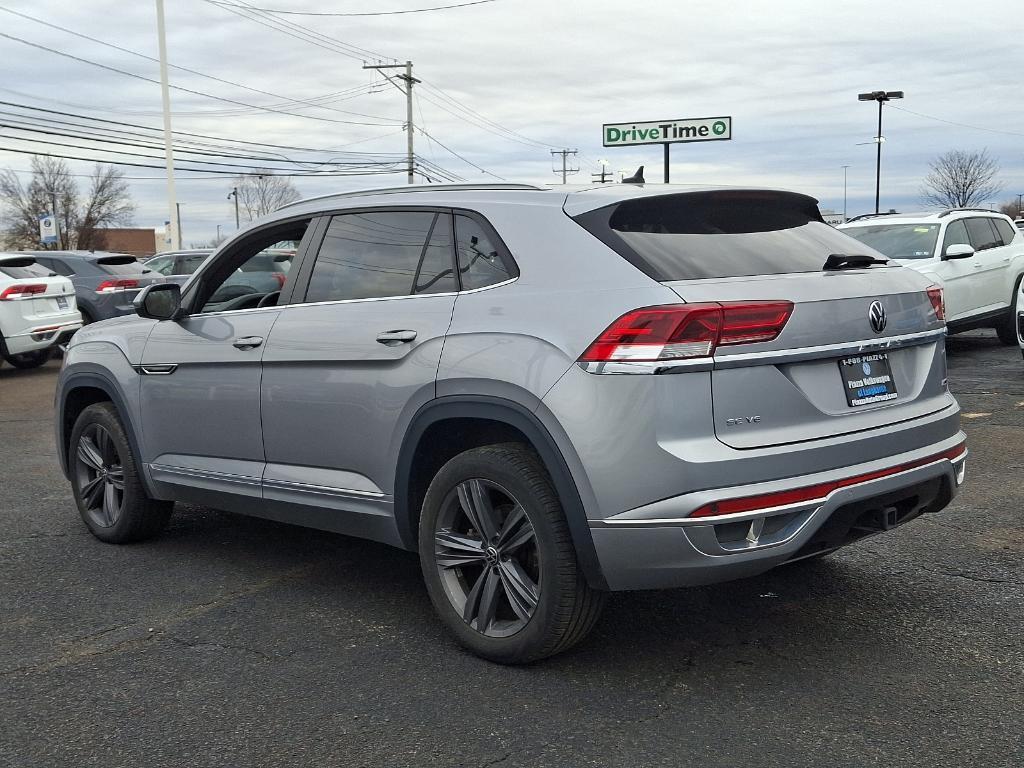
(788, 72)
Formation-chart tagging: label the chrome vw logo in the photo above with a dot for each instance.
(876, 316)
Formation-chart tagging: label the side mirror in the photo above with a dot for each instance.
(159, 301)
(958, 251)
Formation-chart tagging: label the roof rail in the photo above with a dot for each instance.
(957, 210)
(872, 215)
(414, 188)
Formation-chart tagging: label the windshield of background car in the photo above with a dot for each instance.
(899, 241)
(698, 235)
(276, 259)
(121, 265)
(21, 269)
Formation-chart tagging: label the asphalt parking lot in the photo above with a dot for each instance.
(242, 642)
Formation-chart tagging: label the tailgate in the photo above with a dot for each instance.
(829, 372)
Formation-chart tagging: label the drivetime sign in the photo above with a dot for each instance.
(668, 131)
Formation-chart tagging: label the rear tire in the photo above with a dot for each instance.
(28, 360)
(105, 480)
(497, 558)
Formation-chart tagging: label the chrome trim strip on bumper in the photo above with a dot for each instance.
(771, 511)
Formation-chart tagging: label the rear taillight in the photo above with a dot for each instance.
(22, 291)
(938, 303)
(114, 286)
(682, 331)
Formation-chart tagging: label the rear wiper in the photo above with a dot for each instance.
(851, 261)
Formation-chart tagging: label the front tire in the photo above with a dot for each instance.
(497, 558)
(1006, 330)
(105, 480)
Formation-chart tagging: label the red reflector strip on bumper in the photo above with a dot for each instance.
(813, 492)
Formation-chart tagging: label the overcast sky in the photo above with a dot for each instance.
(553, 71)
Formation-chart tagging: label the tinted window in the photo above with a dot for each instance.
(956, 234)
(719, 234)
(1006, 232)
(188, 264)
(480, 264)
(376, 255)
(162, 264)
(983, 234)
(899, 241)
(21, 269)
(121, 265)
(56, 265)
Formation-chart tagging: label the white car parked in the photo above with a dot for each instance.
(37, 310)
(976, 255)
(1020, 318)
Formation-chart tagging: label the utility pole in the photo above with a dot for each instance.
(234, 193)
(604, 176)
(1019, 196)
(566, 170)
(177, 210)
(409, 82)
(166, 97)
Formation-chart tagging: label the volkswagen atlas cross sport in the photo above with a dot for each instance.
(547, 394)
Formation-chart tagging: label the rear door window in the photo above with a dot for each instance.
(383, 254)
(983, 234)
(719, 234)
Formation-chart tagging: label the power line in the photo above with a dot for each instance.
(298, 31)
(511, 134)
(374, 13)
(182, 88)
(451, 151)
(952, 122)
(287, 101)
(176, 133)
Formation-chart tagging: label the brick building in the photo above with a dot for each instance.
(138, 242)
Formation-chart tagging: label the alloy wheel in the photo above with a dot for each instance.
(99, 474)
(487, 556)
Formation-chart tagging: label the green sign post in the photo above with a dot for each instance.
(667, 132)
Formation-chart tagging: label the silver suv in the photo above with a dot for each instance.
(547, 394)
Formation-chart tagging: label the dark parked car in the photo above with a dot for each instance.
(105, 283)
(263, 274)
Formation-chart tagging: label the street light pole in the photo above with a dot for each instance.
(844, 192)
(166, 98)
(881, 97)
(234, 193)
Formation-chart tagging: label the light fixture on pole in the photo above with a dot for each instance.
(881, 97)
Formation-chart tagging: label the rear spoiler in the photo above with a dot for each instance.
(16, 260)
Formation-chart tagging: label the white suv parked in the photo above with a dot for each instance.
(976, 255)
(37, 310)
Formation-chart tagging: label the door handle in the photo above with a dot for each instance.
(247, 342)
(394, 338)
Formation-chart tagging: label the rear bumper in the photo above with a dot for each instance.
(43, 336)
(657, 546)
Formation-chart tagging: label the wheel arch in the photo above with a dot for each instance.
(492, 420)
(77, 392)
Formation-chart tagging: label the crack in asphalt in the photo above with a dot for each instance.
(87, 647)
(969, 576)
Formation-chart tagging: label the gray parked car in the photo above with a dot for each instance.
(260, 275)
(105, 283)
(547, 394)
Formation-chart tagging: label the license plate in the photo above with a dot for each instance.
(867, 379)
(62, 302)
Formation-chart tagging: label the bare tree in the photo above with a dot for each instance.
(108, 202)
(960, 179)
(1012, 209)
(263, 192)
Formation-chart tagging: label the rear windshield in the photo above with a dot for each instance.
(22, 269)
(121, 265)
(899, 241)
(690, 236)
